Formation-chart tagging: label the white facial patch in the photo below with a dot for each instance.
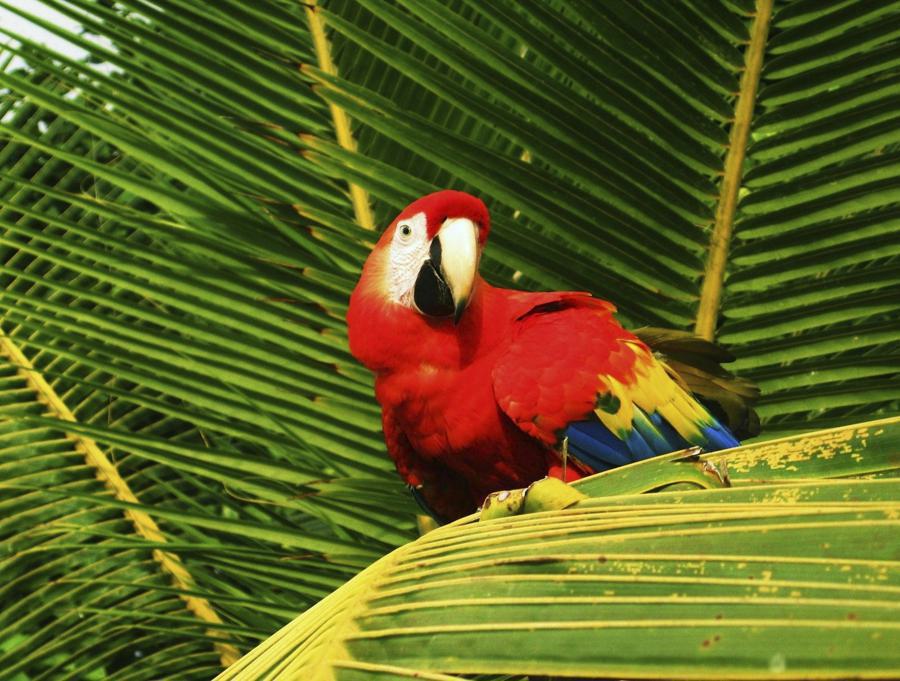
(409, 249)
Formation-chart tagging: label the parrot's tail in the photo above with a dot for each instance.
(696, 364)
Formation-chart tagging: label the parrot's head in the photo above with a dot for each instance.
(427, 259)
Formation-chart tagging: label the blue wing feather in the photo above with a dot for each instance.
(592, 443)
(718, 437)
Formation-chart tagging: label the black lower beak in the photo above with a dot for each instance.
(458, 312)
(432, 295)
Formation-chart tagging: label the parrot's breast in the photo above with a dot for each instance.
(451, 416)
(442, 411)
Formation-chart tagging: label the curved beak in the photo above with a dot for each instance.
(459, 243)
(445, 281)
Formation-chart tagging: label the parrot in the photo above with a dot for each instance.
(485, 388)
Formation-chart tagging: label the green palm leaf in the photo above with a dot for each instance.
(184, 215)
(777, 576)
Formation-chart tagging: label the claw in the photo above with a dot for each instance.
(502, 504)
(718, 470)
(551, 494)
(546, 494)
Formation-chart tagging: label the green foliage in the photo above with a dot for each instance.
(786, 574)
(178, 246)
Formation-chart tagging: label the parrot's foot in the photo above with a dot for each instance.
(715, 471)
(719, 471)
(546, 494)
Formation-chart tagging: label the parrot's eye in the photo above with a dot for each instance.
(405, 231)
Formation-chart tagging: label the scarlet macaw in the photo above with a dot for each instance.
(480, 387)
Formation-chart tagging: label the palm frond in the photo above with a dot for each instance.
(755, 580)
(179, 239)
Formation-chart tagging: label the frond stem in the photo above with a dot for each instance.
(714, 278)
(107, 473)
(359, 197)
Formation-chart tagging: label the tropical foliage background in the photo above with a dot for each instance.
(185, 210)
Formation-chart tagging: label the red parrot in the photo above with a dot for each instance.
(484, 388)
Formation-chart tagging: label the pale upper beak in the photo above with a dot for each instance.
(446, 278)
(459, 260)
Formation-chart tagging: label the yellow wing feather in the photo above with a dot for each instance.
(653, 391)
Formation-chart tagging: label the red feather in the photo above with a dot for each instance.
(480, 402)
(473, 408)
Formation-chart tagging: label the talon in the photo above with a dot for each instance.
(550, 494)
(502, 504)
(719, 471)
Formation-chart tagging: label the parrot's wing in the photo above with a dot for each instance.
(570, 371)
(697, 364)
